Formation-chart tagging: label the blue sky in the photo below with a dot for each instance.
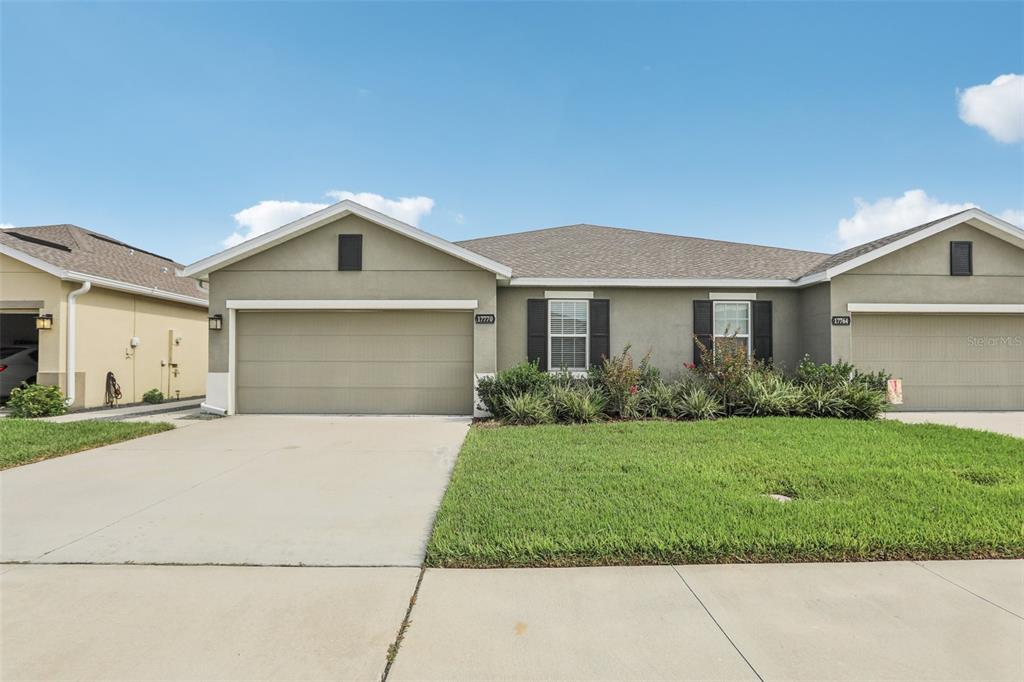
(158, 123)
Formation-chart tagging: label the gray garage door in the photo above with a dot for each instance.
(947, 362)
(373, 362)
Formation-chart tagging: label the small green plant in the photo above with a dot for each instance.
(527, 409)
(153, 396)
(697, 402)
(862, 401)
(35, 400)
(822, 401)
(658, 400)
(621, 381)
(765, 393)
(837, 374)
(578, 405)
(525, 378)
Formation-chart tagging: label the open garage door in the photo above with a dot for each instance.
(946, 362)
(372, 362)
(19, 351)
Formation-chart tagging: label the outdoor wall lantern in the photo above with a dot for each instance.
(44, 321)
(216, 323)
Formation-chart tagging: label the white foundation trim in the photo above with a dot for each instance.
(568, 294)
(732, 296)
(216, 392)
(353, 304)
(964, 308)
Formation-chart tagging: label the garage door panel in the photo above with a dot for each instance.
(351, 323)
(946, 362)
(369, 348)
(381, 362)
(334, 401)
(362, 375)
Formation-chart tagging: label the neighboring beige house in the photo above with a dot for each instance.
(350, 311)
(105, 307)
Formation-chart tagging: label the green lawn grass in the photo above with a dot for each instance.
(695, 492)
(23, 441)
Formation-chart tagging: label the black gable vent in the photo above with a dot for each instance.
(960, 258)
(350, 252)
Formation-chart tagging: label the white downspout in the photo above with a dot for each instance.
(69, 382)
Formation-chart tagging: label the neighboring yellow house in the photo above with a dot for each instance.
(90, 305)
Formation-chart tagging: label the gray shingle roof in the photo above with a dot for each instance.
(70, 247)
(594, 251)
(860, 250)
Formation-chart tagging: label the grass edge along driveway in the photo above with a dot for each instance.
(23, 441)
(696, 492)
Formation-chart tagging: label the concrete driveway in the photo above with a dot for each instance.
(247, 490)
(239, 548)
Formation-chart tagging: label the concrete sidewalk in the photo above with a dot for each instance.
(1009, 423)
(116, 413)
(959, 620)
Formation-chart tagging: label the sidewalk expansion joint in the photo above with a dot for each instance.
(719, 625)
(396, 645)
(956, 584)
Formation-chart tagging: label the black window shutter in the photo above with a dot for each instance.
(960, 258)
(600, 341)
(762, 323)
(350, 252)
(537, 332)
(702, 327)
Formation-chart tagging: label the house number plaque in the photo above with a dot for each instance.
(487, 318)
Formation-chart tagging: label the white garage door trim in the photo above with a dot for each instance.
(966, 308)
(234, 306)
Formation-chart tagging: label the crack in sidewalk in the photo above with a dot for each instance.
(396, 645)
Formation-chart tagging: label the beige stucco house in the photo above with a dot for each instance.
(350, 311)
(104, 306)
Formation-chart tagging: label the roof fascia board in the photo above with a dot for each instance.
(652, 283)
(351, 304)
(965, 308)
(38, 263)
(204, 267)
(105, 282)
(127, 287)
(985, 221)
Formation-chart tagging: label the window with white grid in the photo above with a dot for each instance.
(568, 331)
(732, 319)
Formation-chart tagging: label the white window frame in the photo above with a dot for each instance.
(585, 335)
(750, 322)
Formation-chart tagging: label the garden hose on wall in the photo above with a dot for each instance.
(113, 390)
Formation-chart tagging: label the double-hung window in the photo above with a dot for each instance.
(732, 320)
(568, 334)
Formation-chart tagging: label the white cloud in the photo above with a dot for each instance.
(5, 226)
(270, 214)
(996, 107)
(888, 215)
(1013, 215)
(267, 215)
(407, 209)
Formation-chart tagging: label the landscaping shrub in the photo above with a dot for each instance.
(697, 402)
(833, 376)
(763, 393)
(822, 401)
(861, 400)
(658, 400)
(622, 381)
(153, 396)
(36, 400)
(527, 409)
(578, 404)
(523, 379)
